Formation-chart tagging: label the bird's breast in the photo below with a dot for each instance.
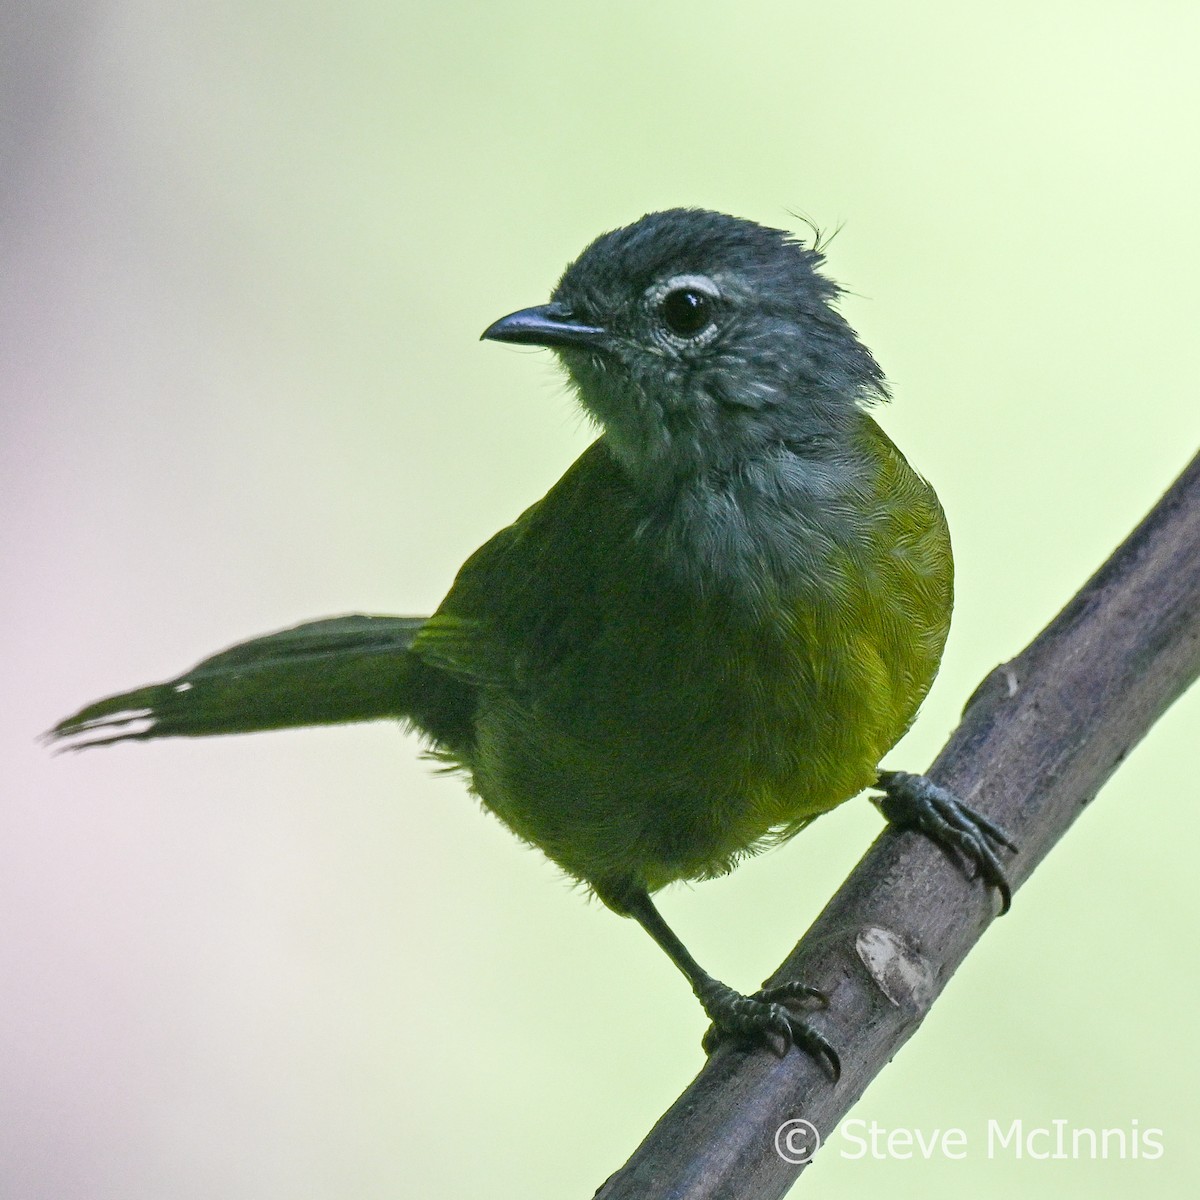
(682, 688)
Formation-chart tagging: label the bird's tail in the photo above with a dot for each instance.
(321, 673)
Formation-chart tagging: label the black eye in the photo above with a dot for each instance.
(686, 311)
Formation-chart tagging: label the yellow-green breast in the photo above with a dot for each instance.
(646, 709)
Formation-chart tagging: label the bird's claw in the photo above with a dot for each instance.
(772, 1015)
(915, 802)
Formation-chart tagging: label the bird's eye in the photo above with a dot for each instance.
(686, 311)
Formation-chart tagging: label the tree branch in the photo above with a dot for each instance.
(1037, 740)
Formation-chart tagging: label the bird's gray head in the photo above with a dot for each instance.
(701, 342)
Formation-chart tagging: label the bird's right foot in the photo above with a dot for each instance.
(773, 1015)
(915, 802)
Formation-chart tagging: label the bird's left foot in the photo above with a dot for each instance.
(915, 802)
(774, 1015)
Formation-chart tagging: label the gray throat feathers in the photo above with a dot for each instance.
(768, 524)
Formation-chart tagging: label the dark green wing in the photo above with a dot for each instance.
(521, 602)
(341, 669)
(530, 593)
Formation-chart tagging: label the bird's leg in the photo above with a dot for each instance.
(771, 1011)
(915, 802)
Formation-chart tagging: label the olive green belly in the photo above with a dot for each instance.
(653, 770)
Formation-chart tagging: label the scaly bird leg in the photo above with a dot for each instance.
(915, 802)
(769, 1013)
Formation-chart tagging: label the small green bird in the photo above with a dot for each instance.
(708, 632)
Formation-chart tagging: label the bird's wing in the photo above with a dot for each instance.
(513, 605)
(341, 669)
(540, 587)
(470, 638)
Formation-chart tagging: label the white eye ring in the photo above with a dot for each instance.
(656, 295)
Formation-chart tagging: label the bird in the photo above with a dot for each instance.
(708, 633)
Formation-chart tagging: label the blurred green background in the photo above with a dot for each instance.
(246, 251)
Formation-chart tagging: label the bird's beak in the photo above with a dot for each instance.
(545, 325)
